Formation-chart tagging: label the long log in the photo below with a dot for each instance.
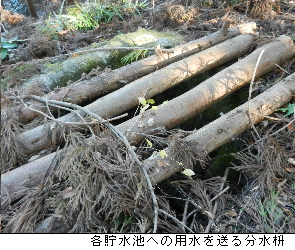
(207, 138)
(225, 128)
(31, 174)
(87, 90)
(127, 97)
(211, 90)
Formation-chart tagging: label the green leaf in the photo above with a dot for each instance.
(150, 101)
(188, 172)
(289, 109)
(163, 154)
(142, 101)
(149, 143)
(8, 45)
(3, 53)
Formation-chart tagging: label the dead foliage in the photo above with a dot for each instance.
(40, 47)
(267, 199)
(10, 18)
(97, 186)
(198, 208)
(11, 150)
(99, 189)
(263, 9)
(179, 14)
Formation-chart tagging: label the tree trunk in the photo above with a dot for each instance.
(31, 8)
(235, 123)
(209, 138)
(87, 90)
(221, 84)
(125, 98)
(223, 129)
(212, 90)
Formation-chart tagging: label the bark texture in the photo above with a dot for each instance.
(87, 90)
(225, 128)
(222, 84)
(211, 90)
(148, 86)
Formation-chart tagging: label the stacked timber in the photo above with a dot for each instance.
(168, 74)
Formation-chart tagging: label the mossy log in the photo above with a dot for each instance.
(59, 73)
(148, 86)
(223, 83)
(87, 90)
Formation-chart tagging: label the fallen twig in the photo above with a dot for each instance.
(124, 140)
(250, 92)
(172, 217)
(37, 98)
(222, 192)
(156, 49)
(211, 220)
(274, 133)
(268, 117)
(121, 48)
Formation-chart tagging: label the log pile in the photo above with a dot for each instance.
(87, 90)
(152, 76)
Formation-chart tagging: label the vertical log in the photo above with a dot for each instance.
(31, 8)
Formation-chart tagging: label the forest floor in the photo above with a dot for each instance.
(261, 194)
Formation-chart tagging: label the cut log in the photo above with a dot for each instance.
(32, 173)
(209, 137)
(211, 90)
(87, 90)
(58, 74)
(126, 98)
(225, 128)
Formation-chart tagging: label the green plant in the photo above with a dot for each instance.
(289, 109)
(89, 15)
(134, 56)
(123, 222)
(6, 45)
(50, 29)
(272, 216)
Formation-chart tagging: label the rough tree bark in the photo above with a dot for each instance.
(212, 90)
(106, 82)
(235, 123)
(225, 82)
(127, 97)
(226, 127)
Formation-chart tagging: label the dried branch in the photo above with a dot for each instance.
(216, 203)
(250, 91)
(156, 49)
(123, 139)
(122, 48)
(172, 217)
(222, 192)
(49, 102)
